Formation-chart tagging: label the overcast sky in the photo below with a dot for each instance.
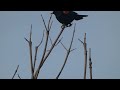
(101, 27)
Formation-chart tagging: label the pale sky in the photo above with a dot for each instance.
(101, 27)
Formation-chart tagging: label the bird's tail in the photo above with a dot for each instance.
(78, 17)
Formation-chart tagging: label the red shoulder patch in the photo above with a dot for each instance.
(66, 12)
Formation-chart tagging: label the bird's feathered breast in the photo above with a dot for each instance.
(64, 18)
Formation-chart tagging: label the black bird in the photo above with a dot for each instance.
(67, 17)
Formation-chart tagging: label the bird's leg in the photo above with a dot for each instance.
(63, 26)
(69, 25)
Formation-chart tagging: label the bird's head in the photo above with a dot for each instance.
(54, 12)
(57, 13)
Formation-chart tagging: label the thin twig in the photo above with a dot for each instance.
(41, 39)
(30, 46)
(44, 23)
(19, 76)
(30, 49)
(90, 63)
(45, 48)
(81, 41)
(72, 38)
(15, 72)
(50, 39)
(64, 46)
(72, 49)
(46, 43)
(36, 50)
(49, 27)
(26, 40)
(30, 33)
(56, 44)
(67, 55)
(85, 55)
(59, 41)
(53, 44)
(49, 24)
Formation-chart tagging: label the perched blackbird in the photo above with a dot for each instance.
(66, 17)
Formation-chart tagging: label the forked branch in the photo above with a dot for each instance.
(30, 49)
(46, 56)
(85, 54)
(36, 50)
(15, 72)
(68, 53)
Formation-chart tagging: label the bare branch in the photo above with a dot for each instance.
(19, 76)
(59, 41)
(63, 65)
(45, 48)
(85, 56)
(90, 63)
(26, 40)
(72, 49)
(64, 46)
(56, 43)
(47, 36)
(44, 23)
(50, 40)
(49, 25)
(30, 50)
(41, 40)
(81, 41)
(72, 38)
(41, 64)
(67, 55)
(36, 50)
(15, 71)
(30, 33)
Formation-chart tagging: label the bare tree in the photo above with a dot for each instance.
(45, 54)
(35, 70)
